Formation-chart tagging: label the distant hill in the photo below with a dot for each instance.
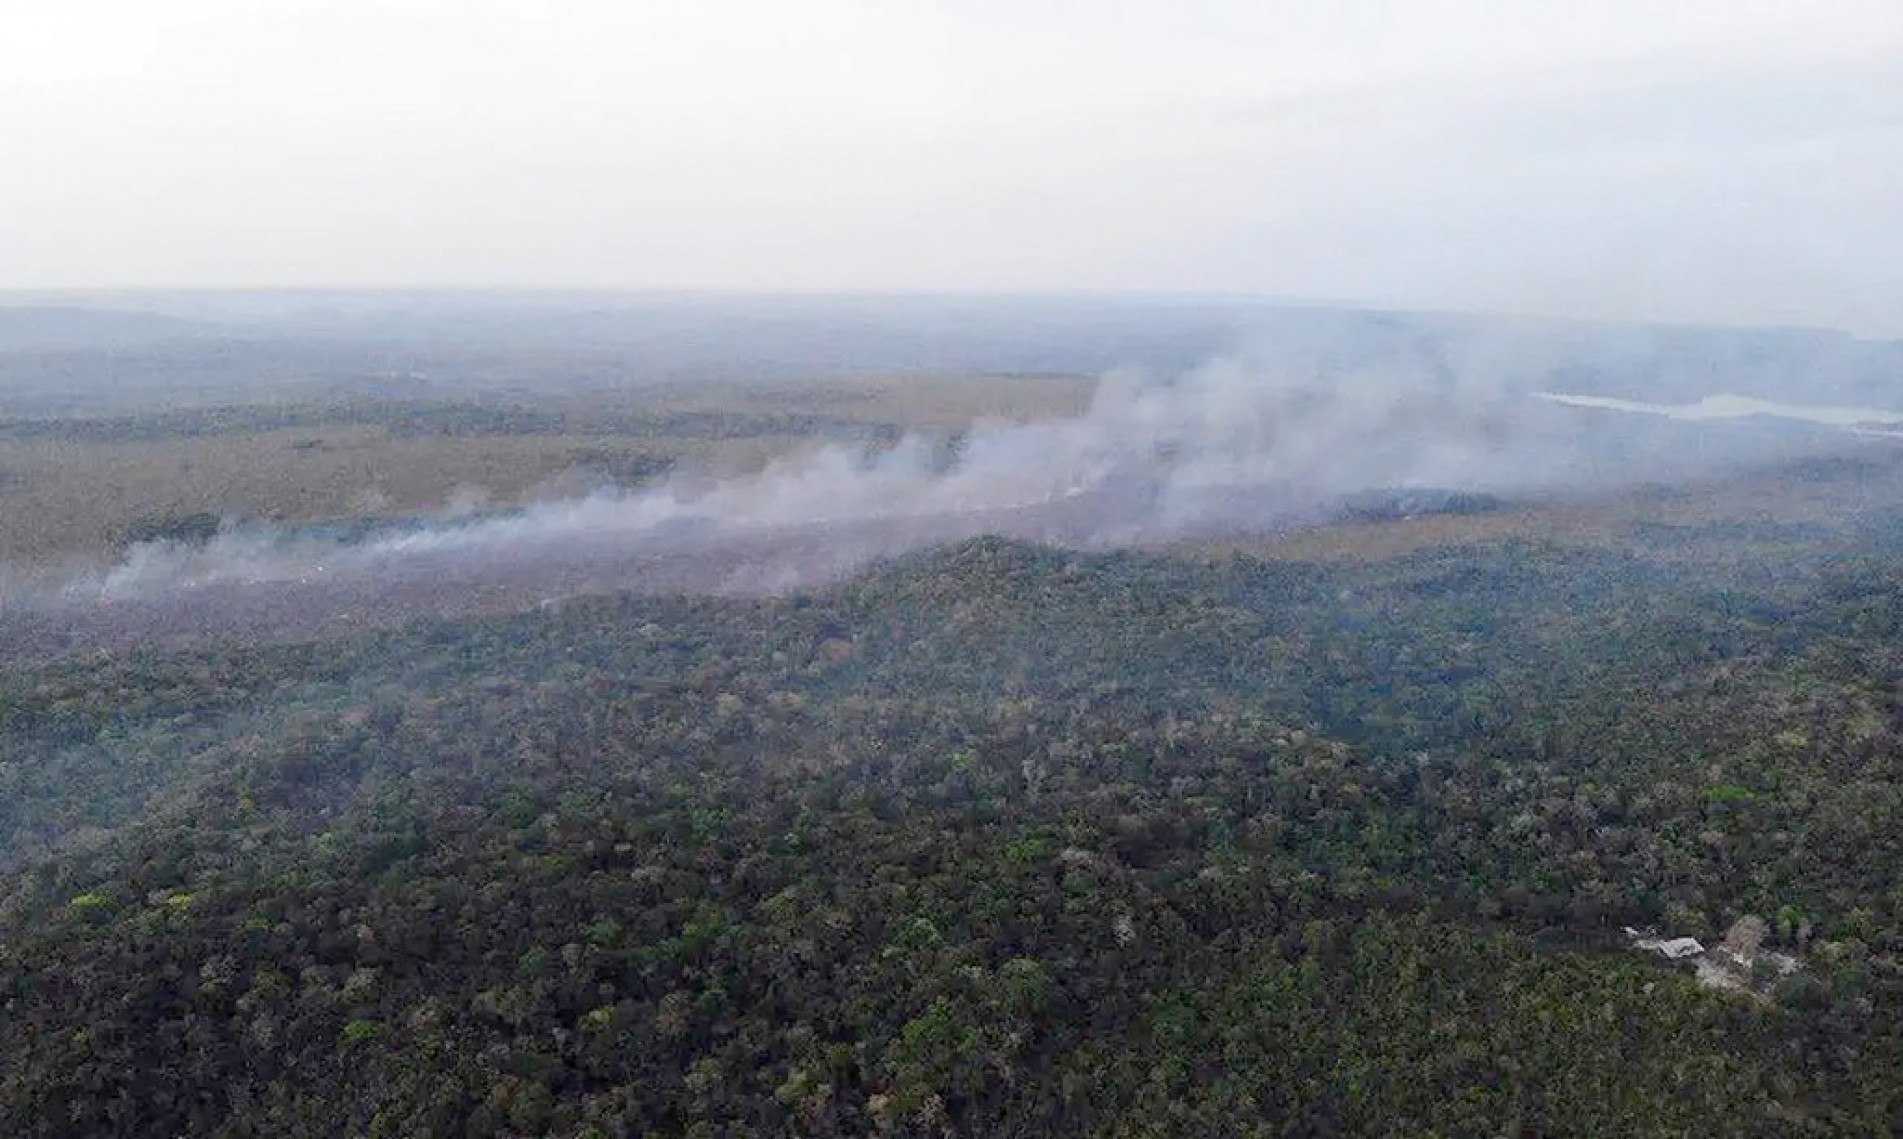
(222, 342)
(65, 327)
(765, 337)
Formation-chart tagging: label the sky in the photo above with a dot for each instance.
(1730, 161)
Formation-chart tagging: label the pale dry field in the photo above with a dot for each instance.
(78, 497)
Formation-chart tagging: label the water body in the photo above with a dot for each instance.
(1867, 420)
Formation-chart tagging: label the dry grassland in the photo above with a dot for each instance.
(71, 495)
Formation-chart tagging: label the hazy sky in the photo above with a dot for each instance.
(1736, 160)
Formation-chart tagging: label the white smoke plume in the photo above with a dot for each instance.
(1225, 447)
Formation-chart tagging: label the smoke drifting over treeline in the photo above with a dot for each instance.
(1298, 416)
(1233, 446)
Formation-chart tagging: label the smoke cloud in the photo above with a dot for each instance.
(1232, 446)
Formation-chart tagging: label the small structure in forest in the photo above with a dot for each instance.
(1670, 948)
(1741, 963)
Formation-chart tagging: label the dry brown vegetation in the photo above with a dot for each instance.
(1737, 519)
(66, 491)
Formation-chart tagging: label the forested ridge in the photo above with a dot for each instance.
(993, 839)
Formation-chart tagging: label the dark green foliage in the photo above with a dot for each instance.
(992, 840)
(191, 529)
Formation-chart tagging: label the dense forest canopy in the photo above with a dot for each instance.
(371, 762)
(995, 838)
(951, 568)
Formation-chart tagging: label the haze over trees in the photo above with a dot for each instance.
(951, 568)
(1332, 833)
